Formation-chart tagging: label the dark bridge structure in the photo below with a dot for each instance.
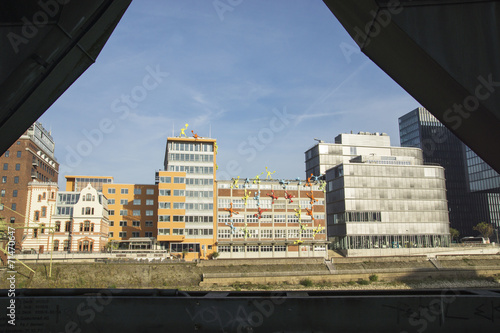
(444, 53)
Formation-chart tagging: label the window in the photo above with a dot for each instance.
(150, 191)
(56, 245)
(122, 234)
(164, 205)
(2, 193)
(136, 212)
(178, 180)
(179, 193)
(110, 234)
(12, 220)
(135, 233)
(16, 180)
(86, 226)
(123, 202)
(37, 215)
(149, 223)
(164, 231)
(111, 201)
(7, 153)
(137, 191)
(165, 193)
(6, 166)
(35, 233)
(137, 202)
(178, 205)
(163, 218)
(178, 218)
(111, 191)
(165, 180)
(66, 245)
(123, 212)
(149, 202)
(58, 226)
(67, 227)
(4, 179)
(14, 193)
(123, 223)
(136, 223)
(87, 210)
(111, 223)
(149, 213)
(176, 231)
(44, 211)
(124, 191)
(39, 197)
(148, 234)
(18, 166)
(111, 212)
(18, 154)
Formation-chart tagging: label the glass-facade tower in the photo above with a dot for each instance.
(468, 178)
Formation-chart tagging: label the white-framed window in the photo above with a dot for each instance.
(224, 233)
(238, 248)
(149, 213)
(111, 201)
(279, 248)
(280, 233)
(137, 191)
(266, 248)
(111, 190)
(178, 193)
(124, 191)
(148, 234)
(123, 223)
(136, 212)
(110, 234)
(178, 218)
(164, 218)
(224, 248)
(279, 218)
(136, 223)
(123, 212)
(137, 201)
(177, 231)
(252, 248)
(150, 191)
(164, 231)
(166, 180)
(179, 205)
(149, 223)
(150, 202)
(293, 233)
(165, 193)
(266, 233)
(111, 212)
(122, 234)
(123, 202)
(135, 233)
(164, 205)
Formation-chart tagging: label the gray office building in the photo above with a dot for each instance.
(381, 200)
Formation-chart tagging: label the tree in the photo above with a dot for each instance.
(214, 255)
(454, 233)
(485, 229)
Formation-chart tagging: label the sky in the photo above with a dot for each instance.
(265, 78)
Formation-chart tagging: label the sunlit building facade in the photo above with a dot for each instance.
(382, 197)
(186, 198)
(271, 219)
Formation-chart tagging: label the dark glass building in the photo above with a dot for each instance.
(470, 182)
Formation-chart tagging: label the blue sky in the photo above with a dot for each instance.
(265, 77)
